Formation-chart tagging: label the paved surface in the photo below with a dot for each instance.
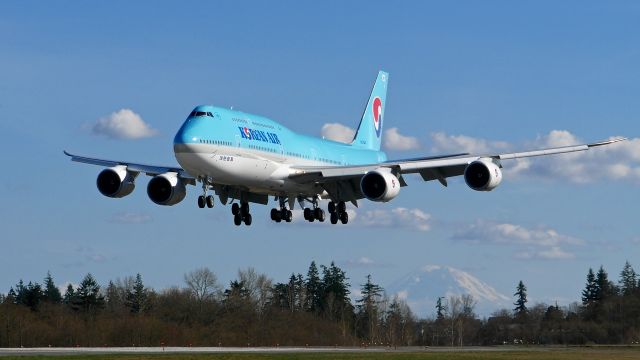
(205, 350)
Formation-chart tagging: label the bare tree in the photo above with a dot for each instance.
(258, 285)
(202, 283)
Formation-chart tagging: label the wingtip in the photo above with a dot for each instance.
(608, 142)
(66, 153)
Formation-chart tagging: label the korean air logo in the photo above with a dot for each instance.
(247, 132)
(377, 115)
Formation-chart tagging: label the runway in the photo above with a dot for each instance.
(266, 350)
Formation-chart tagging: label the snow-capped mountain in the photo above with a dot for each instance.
(421, 289)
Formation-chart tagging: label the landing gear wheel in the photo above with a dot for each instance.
(201, 201)
(274, 214)
(334, 218)
(235, 209)
(319, 214)
(237, 219)
(307, 213)
(316, 213)
(247, 219)
(289, 216)
(244, 209)
(210, 201)
(332, 207)
(344, 217)
(341, 207)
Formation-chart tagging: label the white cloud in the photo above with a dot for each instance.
(553, 253)
(612, 162)
(414, 219)
(338, 132)
(443, 143)
(131, 218)
(393, 140)
(537, 243)
(403, 294)
(123, 124)
(363, 262)
(486, 231)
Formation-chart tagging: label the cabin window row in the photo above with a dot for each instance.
(215, 142)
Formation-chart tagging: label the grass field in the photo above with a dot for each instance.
(525, 354)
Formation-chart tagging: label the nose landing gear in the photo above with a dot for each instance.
(204, 199)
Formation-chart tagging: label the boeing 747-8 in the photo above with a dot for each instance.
(244, 158)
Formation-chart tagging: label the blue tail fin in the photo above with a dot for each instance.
(369, 134)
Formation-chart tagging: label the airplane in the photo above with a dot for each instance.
(244, 158)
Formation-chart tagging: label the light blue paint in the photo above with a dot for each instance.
(239, 129)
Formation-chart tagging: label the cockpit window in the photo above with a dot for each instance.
(200, 113)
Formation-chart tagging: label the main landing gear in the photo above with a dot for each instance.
(281, 214)
(315, 213)
(241, 213)
(338, 212)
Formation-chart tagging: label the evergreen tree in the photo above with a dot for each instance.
(11, 296)
(521, 300)
(628, 280)
(590, 292)
(368, 307)
(441, 309)
(88, 298)
(33, 295)
(69, 295)
(605, 288)
(29, 295)
(314, 289)
(137, 298)
(21, 292)
(51, 292)
(336, 302)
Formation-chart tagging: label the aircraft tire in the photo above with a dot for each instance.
(344, 217)
(235, 209)
(289, 216)
(307, 213)
(332, 207)
(244, 209)
(237, 219)
(274, 214)
(334, 218)
(210, 201)
(201, 201)
(247, 219)
(342, 207)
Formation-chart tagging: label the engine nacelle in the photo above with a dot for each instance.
(166, 189)
(483, 175)
(380, 185)
(116, 182)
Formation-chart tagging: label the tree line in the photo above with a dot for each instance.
(313, 310)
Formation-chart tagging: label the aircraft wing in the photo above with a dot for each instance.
(344, 180)
(150, 170)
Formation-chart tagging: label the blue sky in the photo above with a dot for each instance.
(485, 76)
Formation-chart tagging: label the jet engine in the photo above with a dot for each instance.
(166, 189)
(483, 175)
(380, 185)
(116, 182)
